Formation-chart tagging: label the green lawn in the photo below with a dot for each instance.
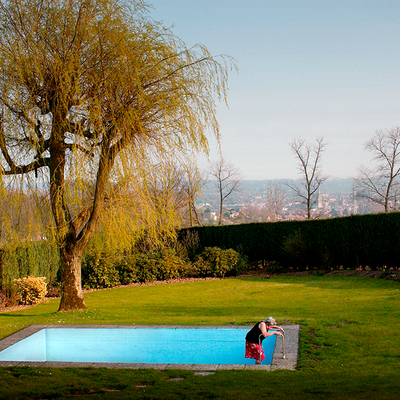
(349, 344)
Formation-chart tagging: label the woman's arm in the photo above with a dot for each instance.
(264, 330)
(277, 327)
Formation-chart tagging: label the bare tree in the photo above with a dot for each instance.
(193, 183)
(309, 157)
(227, 180)
(381, 184)
(175, 191)
(275, 199)
(166, 192)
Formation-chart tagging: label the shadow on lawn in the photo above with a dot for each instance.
(321, 282)
(10, 314)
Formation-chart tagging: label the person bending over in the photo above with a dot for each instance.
(254, 347)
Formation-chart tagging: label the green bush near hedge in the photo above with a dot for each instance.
(215, 262)
(153, 266)
(99, 271)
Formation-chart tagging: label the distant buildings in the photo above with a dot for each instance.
(250, 205)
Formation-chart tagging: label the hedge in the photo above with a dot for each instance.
(40, 258)
(349, 242)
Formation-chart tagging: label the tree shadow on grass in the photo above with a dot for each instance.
(13, 315)
(323, 282)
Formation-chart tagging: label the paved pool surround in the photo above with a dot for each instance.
(278, 362)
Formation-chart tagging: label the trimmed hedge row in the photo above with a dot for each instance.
(39, 258)
(348, 242)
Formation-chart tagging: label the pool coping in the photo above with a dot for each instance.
(292, 333)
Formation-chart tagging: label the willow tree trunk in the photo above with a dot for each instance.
(71, 278)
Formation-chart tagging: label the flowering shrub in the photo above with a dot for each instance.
(30, 290)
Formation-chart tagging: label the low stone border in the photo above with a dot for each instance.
(292, 333)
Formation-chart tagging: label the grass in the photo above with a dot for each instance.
(349, 346)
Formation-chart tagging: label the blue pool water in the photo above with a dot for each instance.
(166, 346)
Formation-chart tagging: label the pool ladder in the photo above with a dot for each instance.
(283, 344)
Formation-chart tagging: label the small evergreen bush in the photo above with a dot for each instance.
(160, 266)
(30, 290)
(171, 266)
(146, 267)
(188, 244)
(127, 270)
(99, 271)
(295, 249)
(215, 262)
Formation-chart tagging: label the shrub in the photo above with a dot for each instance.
(161, 265)
(127, 270)
(188, 244)
(30, 290)
(294, 247)
(4, 300)
(215, 262)
(170, 266)
(146, 267)
(99, 271)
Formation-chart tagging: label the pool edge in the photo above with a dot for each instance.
(292, 333)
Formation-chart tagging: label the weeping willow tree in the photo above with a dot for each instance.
(93, 94)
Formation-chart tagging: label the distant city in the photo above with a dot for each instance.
(251, 203)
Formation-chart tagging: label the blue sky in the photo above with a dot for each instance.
(307, 68)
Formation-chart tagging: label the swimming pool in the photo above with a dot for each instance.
(167, 346)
